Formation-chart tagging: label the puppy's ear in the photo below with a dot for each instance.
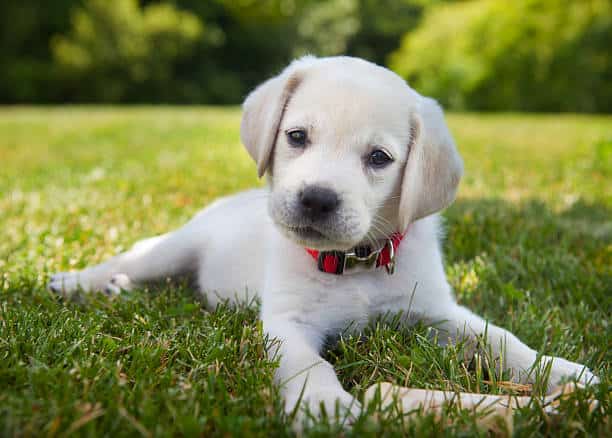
(433, 169)
(262, 114)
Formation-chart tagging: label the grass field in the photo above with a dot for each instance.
(529, 246)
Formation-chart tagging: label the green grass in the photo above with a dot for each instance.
(529, 246)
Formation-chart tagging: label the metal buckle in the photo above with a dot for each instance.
(354, 263)
(390, 267)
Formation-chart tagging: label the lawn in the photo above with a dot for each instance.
(529, 246)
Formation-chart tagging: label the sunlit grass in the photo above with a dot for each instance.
(528, 245)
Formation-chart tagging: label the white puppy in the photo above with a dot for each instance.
(355, 159)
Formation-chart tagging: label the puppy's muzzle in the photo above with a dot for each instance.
(317, 203)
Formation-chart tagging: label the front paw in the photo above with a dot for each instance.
(333, 403)
(562, 370)
(67, 284)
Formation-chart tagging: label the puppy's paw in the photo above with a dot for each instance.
(562, 370)
(117, 284)
(337, 405)
(67, 283)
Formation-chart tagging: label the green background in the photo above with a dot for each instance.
(527, 55)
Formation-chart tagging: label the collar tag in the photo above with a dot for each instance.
(355, 263)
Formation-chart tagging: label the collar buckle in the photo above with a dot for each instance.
(390, 266)
(355, 263)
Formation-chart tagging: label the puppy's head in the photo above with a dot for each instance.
(352, 153)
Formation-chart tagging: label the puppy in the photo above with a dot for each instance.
(358, 166)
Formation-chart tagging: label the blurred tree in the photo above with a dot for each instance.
(325, 28)
(535, 55)
(381, 25)
(87, 50)
(541, 55)
(27, 71)
(254, 39)
(369, 29)
(121, 51)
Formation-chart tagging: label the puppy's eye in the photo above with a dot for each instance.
(297, 137)
(379, 158)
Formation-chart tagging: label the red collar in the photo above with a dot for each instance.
(342, 262)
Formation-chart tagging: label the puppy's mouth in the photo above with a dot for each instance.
(307, 233)
(311, 237)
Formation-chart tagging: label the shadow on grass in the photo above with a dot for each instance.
(474, 226)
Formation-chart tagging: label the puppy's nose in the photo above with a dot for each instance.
(318, 202)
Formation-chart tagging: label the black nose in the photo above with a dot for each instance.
(318, 202)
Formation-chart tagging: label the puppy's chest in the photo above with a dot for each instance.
(351, 299)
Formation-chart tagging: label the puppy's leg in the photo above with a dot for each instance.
(304, 376)
(458, 321)
(150, 259)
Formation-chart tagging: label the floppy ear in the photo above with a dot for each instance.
(262, 114)
(433, 169)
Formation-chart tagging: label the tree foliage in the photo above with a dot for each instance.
(541, 55)
(115, 49)
(536, 55)
(27, 72)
